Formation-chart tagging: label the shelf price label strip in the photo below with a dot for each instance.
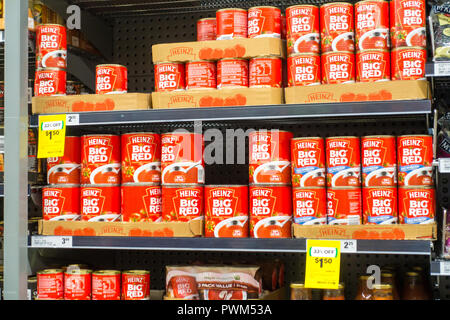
(51, 241)
(51, 137)
(323, 260)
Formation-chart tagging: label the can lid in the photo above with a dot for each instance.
(226, 9)
(266, 57)
(110, 65)
(106, 272)
(49, 271)
(169, 62)
(199, 60)
(406, 48)
(297, 285)
(414, 135)
(304, 138)
(50, 69)
(78, 271)
(202, 19)
(141, 132)
(257, 7)
(302, 5)
(339, 137)
(336, 3)
(416, 187)
(49, 24)
(138, 272)
(301, 54)
(50, 186)
(379, 136)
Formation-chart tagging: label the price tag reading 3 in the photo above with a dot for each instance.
(51, 241)
(52, 135)
(323, 259)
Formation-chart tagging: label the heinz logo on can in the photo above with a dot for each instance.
(61, 202)
(49, 82)
(373, 65)
(136, 285)
(379, 161)
(380, 205)
(303, 69)
(302, 22)
(51, 43)
(100, 202)
(343, 162)
(338, 67)
(309, 205)
(141, 202)
(169, 76)
(182, 202)
(344, 206)
(408, 63)
(337, 27)
(408, 23)
(308, 162)
(66, 169)
(372, 24)
(111, 78)
(264, 22)
(415, 159)
(226, 211)
(416, 205)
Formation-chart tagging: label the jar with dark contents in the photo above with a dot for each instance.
(299, 292)
(382, 292)
(334, 294)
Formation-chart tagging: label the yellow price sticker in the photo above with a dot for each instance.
(52, 135)
(323, 261)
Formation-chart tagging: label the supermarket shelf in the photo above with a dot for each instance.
(437, 69)
(410, 247)
(270, 112)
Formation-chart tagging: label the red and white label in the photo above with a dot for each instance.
(169, 76)
(49, 82)
(373, 65)
(303, 70)
(338, 67)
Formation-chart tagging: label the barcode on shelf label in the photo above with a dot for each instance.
(442, 68)
(444, 165)
(73, 119)
(348, 246)
(51, 241)
(445, 268)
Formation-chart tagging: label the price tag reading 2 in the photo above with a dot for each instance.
(323, 260)
(52, 134)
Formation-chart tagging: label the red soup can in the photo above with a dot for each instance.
(309, 205)
(51, 45)
(100, 202)
(141, 157)
(141, 202)
(232, 73)
(408, 63)
(344, 206)
(264, 21)
(77, 284)
(303, 69)
(182, 158)
(100, 159)
(380, 205)
(49, 82)
(111, 78)
(270, 157)
(169, 76)
(106, 285)
(415, 160)
(338, 67)
(417, 205)
(182, 202)
(337, 31)
(308, 162)
(372, 24)
(136, 285)
(226, 211)
(373, 66)
(343, 162)
(270, 211)
(200, 75)
(61, 202)
(408, 23)
(231, 23)
(379, 161)
(302, 23)
(66, 169)
(50, 284)
(206, 29)
(265, 72)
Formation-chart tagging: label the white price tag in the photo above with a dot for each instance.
(348, 246)
(444, 165)
(442, 68)
(72, 119)
(445, 268)
(51, 241)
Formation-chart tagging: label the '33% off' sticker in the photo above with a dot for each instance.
(323, 260)
(51, 137)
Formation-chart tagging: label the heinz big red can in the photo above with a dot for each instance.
(417, 205)
(308, 162)
(343, 162)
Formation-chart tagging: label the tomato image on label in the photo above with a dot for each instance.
(100, 203)
(408, 23)
(415, 157)
(302, 22)
(344, 206)
(372, 24)
(141, 202)
(308, 162)
(337, 27)
(343, 161)
(264, 22)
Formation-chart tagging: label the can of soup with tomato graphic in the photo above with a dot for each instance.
(408, 63)
(265, 72)
(380, 205)
(111, 78)
(232, 73)
(100, 159)
(51, 46)
(231, 23)
(182, 202)
(337, 31)
(302, 24)
(270, 211)
(417, 205)
(226, 211)
(373, 66)
(61, 202)
(309, 205)
(141, 202)
(264, 21)
(415, 160)
(344, 206)
(170, 76)
(270, 157)
(308, 162)
(136, 285)
(100, 202)
(49, 82)
(66, 169)
(408, 23)
(379, 161)
(50, 284)
(141, 157)
(77, 284)
(372, 24)
(200, 75)
(338, 67)
(303, 69)
(106, 285)
(343, 161)
(182, 158)
(206, 29)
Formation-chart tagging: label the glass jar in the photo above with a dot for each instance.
(364, 293)
(299, 292)
(389, 278)
(382, 292)
(334, 294)
(413, 287)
